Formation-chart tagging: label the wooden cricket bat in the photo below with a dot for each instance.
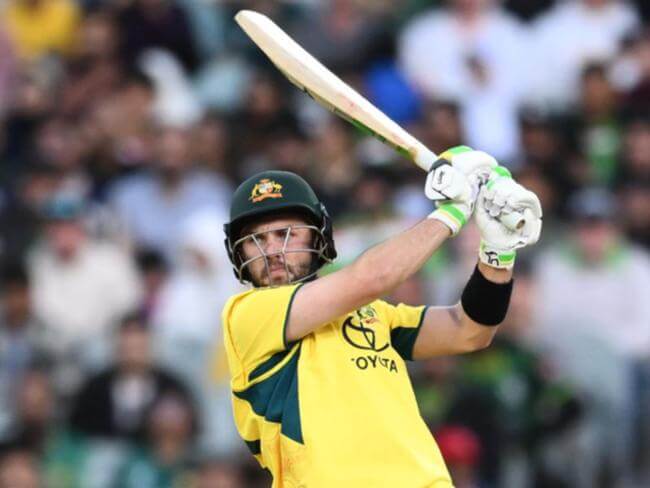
(308, 74)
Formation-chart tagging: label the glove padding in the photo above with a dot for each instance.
(503, 199)
(454, 182)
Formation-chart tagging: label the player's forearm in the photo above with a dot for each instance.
(386, 265)
(470, 324)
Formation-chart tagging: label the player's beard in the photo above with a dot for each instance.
(286, 272)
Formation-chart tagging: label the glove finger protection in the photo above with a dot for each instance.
(504, 199)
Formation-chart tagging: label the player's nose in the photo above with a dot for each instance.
(273, 244)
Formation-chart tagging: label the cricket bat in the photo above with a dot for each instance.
(308, 74)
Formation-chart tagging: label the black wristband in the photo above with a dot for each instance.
(485, 301)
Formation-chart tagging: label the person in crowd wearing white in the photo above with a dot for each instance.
(593, 315)
(569, 36)
(187, 324)
(475, 53)
(80, 286)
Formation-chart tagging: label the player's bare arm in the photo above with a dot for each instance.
(449, 330)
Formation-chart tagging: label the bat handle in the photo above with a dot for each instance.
(513, 221)
(424, 158)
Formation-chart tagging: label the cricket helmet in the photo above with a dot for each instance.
(276, 192)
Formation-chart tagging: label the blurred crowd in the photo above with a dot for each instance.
(126, 124)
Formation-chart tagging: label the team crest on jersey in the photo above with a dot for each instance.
(358, 330)
(264, 189)
(363, 330)
(367, 315)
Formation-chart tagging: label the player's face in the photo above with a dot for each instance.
(280, 250)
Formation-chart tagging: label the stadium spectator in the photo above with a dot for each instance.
(31, 104)
(94, 71)
(635, 202)
(265, 113)
(154, 271)
(461, 449)
(21, 206)
(81, 286)
(187, 324)
(19, 337)
(442, 127)
(153, 204)
(341, 33)
(8, 66)
(592, 317)
(19, 468)
(57, 144)
(598, 128)
(571, 35)
(165, 461)
(34, 407)
(482, 65)
(116, 402)
(211, 145)
(631, 72)
(147, 24)
(593, 264)
(118, 131)
(544, 143)
(61, 457)
(636, 153)
(337, 170)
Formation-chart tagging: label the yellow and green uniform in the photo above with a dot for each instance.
(336, 408)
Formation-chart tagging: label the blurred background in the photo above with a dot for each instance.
(126, 124)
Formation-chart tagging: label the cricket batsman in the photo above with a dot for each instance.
(321, 393)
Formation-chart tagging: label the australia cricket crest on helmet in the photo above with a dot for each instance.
(266, 188)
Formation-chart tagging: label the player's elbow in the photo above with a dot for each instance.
(479, 337)
(482, 342)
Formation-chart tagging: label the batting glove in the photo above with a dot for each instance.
(454, 181)
(508, 216)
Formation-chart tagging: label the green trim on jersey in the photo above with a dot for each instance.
(255, 447)
(286, 318)
(276, 397)
(403, 338)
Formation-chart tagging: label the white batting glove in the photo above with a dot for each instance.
(504, 200)
(453, 183)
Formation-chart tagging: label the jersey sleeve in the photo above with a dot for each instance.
(255, 324)
(404, 322)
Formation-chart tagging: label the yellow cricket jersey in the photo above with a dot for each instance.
(336, 408)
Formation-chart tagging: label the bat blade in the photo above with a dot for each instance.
(308, 74)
